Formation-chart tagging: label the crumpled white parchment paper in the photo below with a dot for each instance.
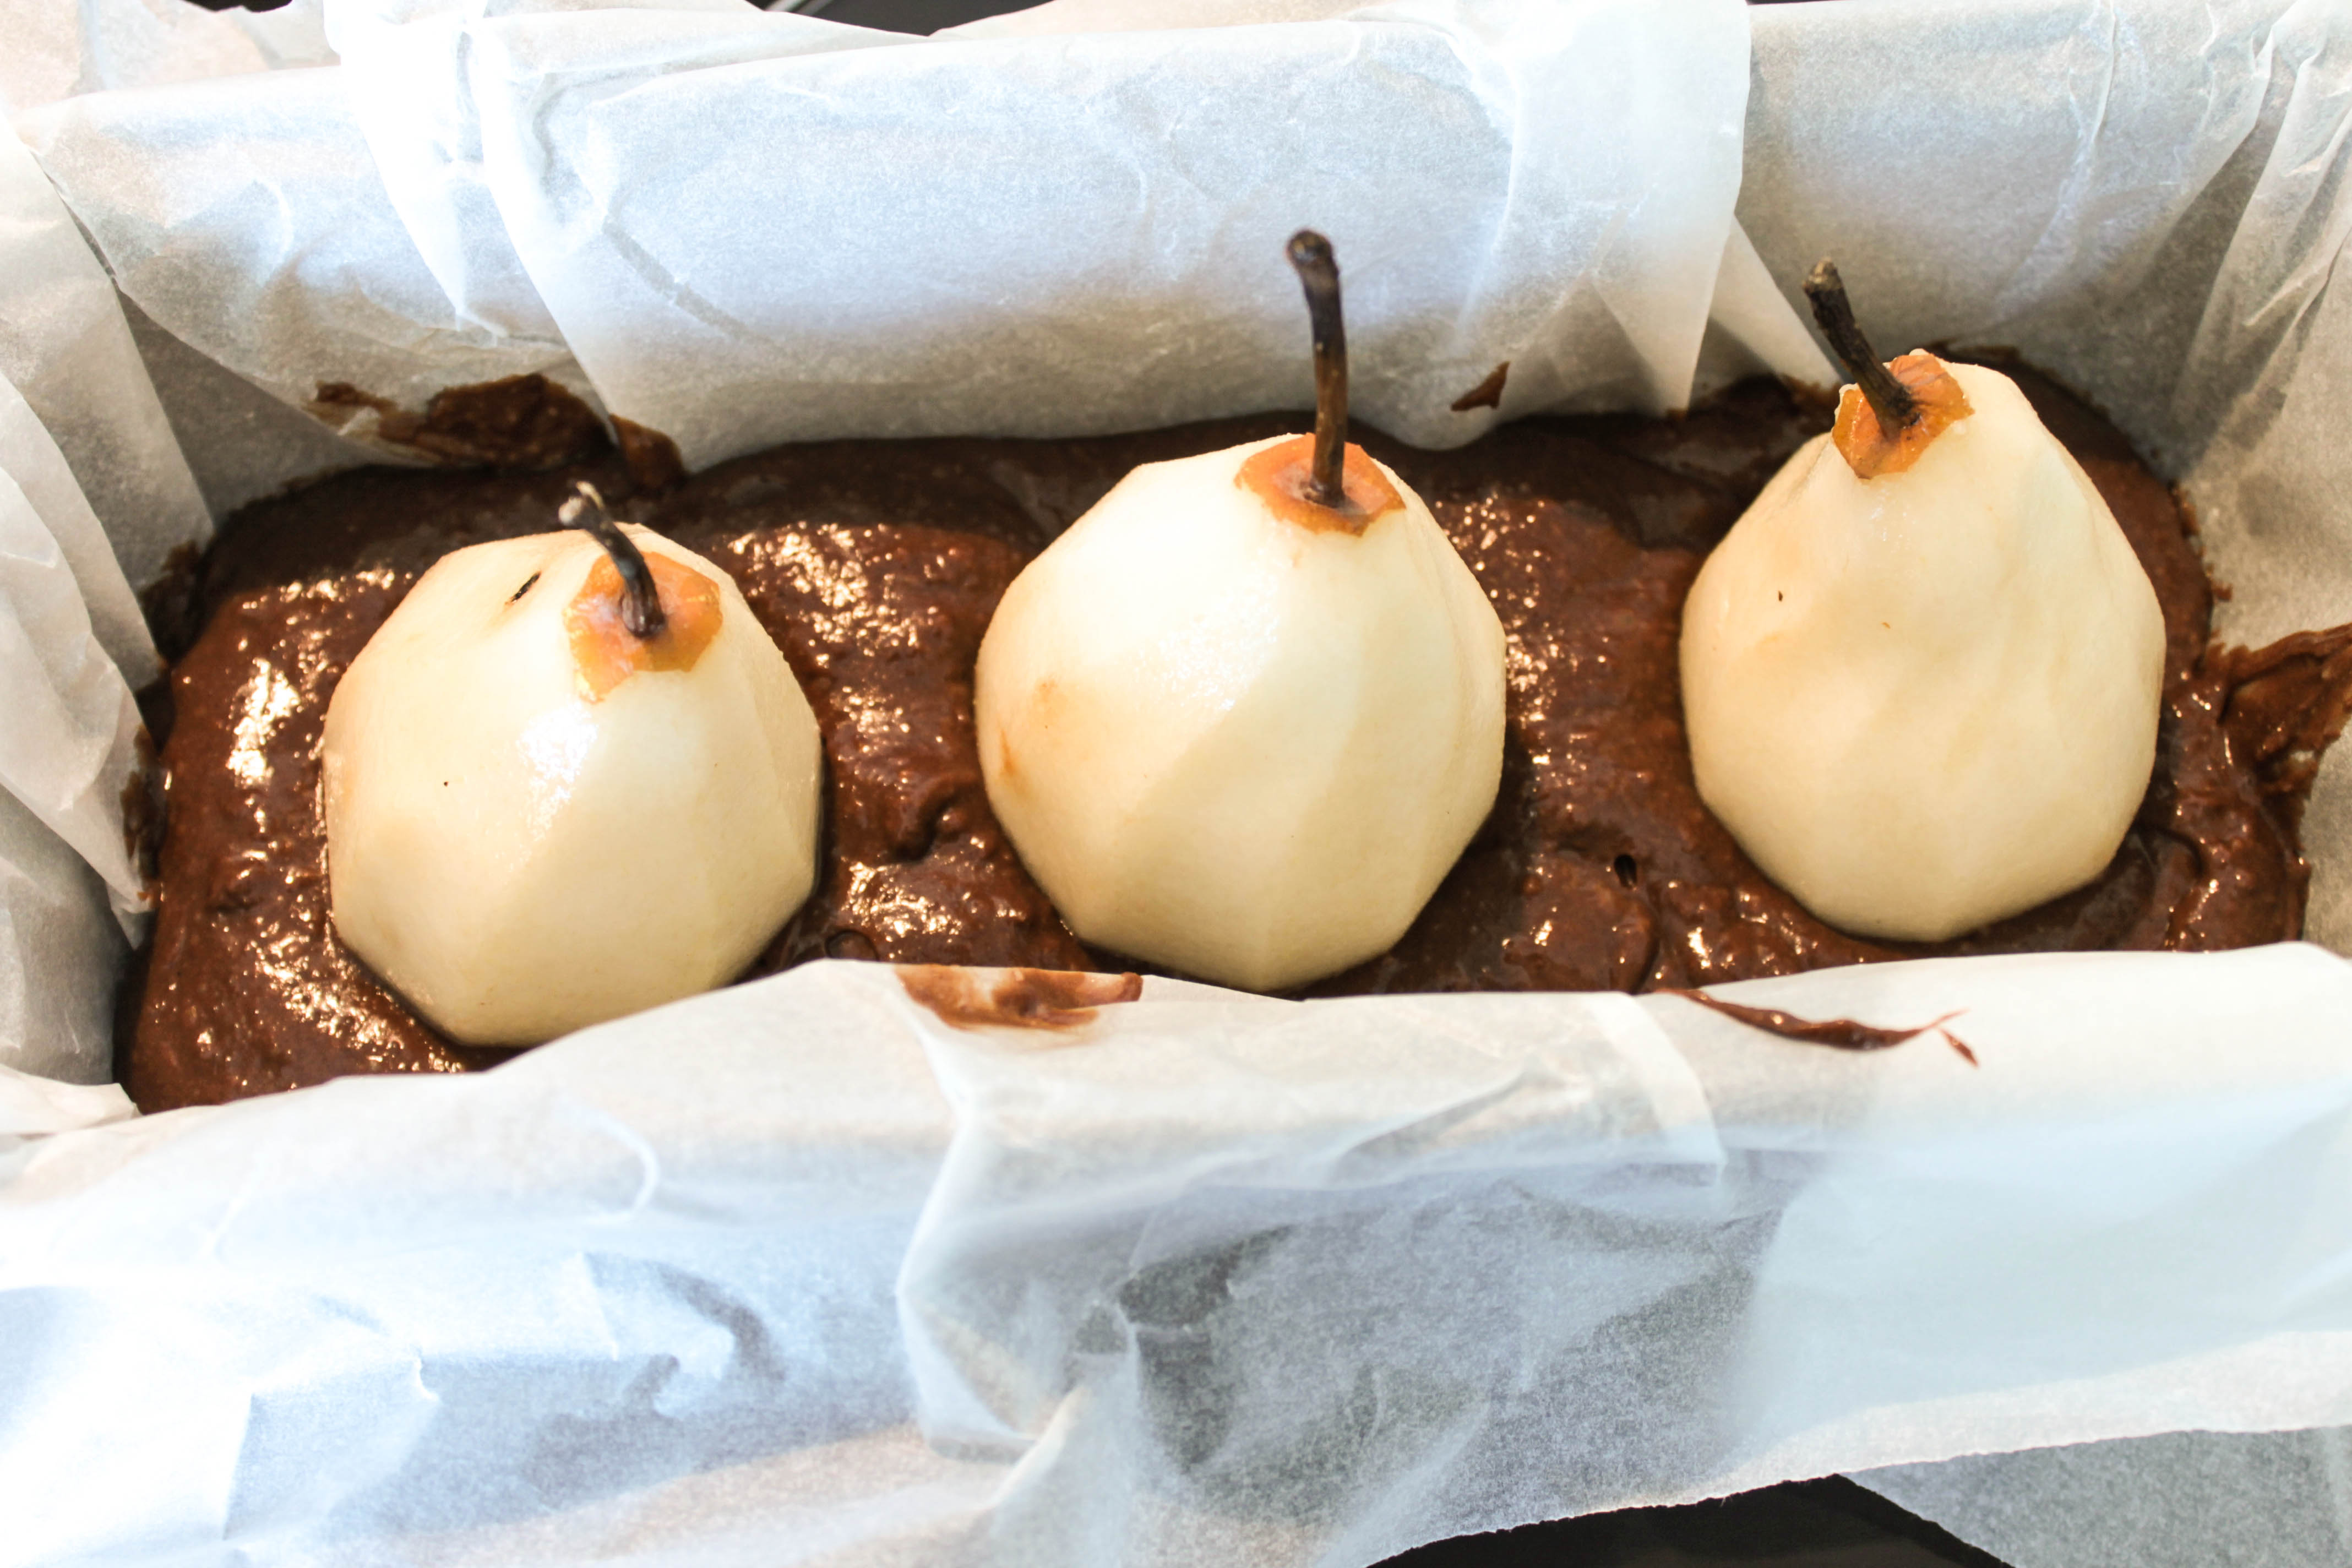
(94, 45)
(1552, 184)
(65, 349)
(793, 1267)
(1213, 1279)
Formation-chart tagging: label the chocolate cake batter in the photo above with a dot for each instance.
(875, 566)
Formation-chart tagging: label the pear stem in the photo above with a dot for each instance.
(1319, 274)
(1889, 398)
(641, 606)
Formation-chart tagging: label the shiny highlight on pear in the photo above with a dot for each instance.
(537, 818)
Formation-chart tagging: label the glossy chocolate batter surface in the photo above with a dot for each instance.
(875, 566)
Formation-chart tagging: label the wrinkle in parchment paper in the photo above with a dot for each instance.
(73, 732)
(32, 460)
(93, 45)
(57, 942)
(64, 347)
(405, 82)
(1221, 1279)
(1096, 241)
(2081, 219)
(228, 210)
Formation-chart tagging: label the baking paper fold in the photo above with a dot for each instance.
(34, 1103)
(95, 497)
(1098, 242)
(1211, 1279)
(72, 636)
(237, 206)
(1546, 185)
(790, 1269)
(71, 743)
(408, 92)
(66, 351)
(60, 947)
(58, 51)
(77, 420)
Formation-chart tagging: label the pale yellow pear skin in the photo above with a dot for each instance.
(1232, 746)
(520, 857)
(1929, 701)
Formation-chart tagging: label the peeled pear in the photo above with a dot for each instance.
(1238, 733)
(1926, 700)
(537, 817)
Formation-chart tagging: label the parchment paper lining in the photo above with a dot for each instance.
(794, 1264)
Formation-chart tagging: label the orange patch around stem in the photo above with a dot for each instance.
(1870, 450)
(606, 652)
(1283, 475)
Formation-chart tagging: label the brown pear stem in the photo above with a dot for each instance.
(1319, 274)
(1889, 398)
(641, 605)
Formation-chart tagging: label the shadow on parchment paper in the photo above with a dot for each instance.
(1561, 1342)
(715, 1359)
